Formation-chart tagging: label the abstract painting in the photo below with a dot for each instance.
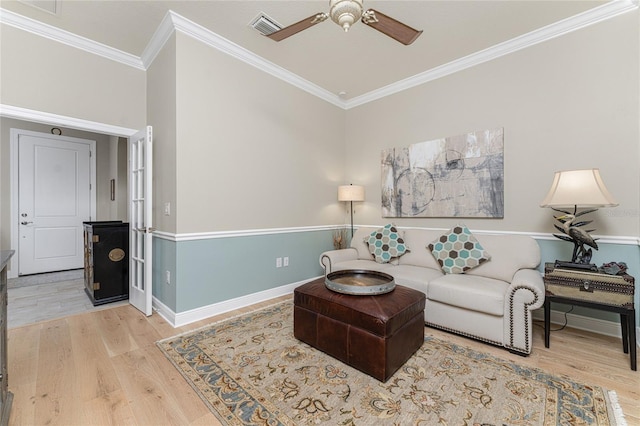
(456, 176)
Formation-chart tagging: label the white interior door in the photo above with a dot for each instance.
(55, 193)
(140, 220)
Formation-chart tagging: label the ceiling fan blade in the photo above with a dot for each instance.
(390, 27)
(298, 26)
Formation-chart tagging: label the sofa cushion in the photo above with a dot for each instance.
(416, 277)
(458, 251)
(367, 265)
(420, 255)
(476, 293)
(358, 242)
(386, 243)
(509, 253)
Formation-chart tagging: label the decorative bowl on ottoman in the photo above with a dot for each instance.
(360, 282)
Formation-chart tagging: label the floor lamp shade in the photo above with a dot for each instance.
(350, 193)
(578, 188)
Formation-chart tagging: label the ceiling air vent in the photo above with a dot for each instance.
(50, 6)
(265, 25)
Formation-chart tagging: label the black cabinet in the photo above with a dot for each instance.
(106, 261)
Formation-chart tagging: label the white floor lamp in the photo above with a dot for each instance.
(351, 193)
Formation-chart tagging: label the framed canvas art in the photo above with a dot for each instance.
(456, 176)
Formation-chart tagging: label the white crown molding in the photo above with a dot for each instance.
(174, 22)
(56, 34)
(159, 38)
(26, 114)
(557, 29)
(212, 39)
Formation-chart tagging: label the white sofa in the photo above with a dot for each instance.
(491, 302)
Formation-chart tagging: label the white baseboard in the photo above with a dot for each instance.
(194, 315)
(608, 328)
(594, 325)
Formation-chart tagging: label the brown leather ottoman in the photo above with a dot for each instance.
(375, 334)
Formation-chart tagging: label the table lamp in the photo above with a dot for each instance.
(351, 193)
(577, 189)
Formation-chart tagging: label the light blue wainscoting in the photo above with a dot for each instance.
(208, 270)
(217, 268)
(607, 252)
(164, 259)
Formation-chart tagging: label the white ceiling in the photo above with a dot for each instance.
(357, 62)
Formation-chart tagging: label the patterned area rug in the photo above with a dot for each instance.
(251, 370)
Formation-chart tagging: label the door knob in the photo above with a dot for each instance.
(147, 230)
(25, 222)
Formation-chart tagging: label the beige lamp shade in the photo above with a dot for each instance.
(578, 188)
(350, 193)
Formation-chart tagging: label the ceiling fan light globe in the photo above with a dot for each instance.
(346, 22)
(345, 12)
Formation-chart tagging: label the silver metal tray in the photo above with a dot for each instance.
(359, 282)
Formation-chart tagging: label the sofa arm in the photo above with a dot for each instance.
(333, 257)
(524, 294)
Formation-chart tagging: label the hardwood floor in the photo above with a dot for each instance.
(103, 368)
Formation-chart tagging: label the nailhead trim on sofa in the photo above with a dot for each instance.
(526, 323)
(461, 333)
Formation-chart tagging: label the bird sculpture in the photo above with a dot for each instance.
(574, 233)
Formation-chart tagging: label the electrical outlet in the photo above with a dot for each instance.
(278, 262)
(167, 277)
(285, 261)
(167, 209)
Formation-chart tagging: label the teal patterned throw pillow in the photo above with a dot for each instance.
(458, 251)
(386, 244)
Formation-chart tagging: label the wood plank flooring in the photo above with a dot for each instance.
(103, 368)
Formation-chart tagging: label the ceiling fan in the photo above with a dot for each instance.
(346, 13)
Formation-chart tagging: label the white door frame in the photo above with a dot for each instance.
(14, 150)
(42, 117)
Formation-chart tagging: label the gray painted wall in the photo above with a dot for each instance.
(43, 75)
(253, 152)
(569, 103)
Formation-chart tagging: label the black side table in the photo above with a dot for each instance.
(613, 293)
